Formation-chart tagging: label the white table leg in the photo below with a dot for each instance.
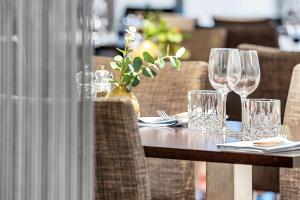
(228, 181)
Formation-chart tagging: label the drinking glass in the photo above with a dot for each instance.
(85, 83)
(217, 73)
(102, 82)
(264, 118)
(204, 110)
(243, 76)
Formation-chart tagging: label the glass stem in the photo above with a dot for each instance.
(223, 123)
(243, 103)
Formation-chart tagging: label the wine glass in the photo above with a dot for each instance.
(217, 73)
(243, 76)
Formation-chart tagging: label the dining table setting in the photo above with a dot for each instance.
(230, 148)
(202, 131)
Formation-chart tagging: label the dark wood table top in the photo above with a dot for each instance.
(187, 144)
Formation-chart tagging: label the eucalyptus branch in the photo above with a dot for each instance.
(132, 68)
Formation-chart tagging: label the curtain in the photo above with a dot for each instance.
(46, 139)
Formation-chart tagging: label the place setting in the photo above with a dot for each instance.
(163, 120)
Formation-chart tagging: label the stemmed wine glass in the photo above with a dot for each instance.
(243, 76)
(217, 73)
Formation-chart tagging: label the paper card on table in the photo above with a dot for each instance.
(267, 145)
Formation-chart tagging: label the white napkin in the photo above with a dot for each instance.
(266, 145)
(156, 122)
(182, 118)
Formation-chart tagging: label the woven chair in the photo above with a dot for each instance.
(120, 167)
(168, 90)
(169, 179)
(200, 42)
(290, 178)
(276, 70)
(259, 31)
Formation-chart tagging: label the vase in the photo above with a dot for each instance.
(122, 91)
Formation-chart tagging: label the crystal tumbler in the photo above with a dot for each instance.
(204, 110)
(262, 118)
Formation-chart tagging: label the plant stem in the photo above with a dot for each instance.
(123, 68)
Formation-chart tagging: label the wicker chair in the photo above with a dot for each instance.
(120, 166)
(169, 92)
(169, 179)
(169, 89)
(276, 70)
(260, 31)
(200, 41)
(290, 178)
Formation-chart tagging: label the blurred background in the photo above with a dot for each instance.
(277, 20)
(200, 25)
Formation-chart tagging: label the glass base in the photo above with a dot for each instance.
(226, 131)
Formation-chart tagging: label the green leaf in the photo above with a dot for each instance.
(173, 62)
(178, 63)
(127, 78)
(180, 52)
(161, 63)
(120, 50)
(129, 69)
(136, 81)
(118, 58)
(148, 57)
(137, 63)
(149, 72)
(154, 66)
(115, 66)
(128, 61)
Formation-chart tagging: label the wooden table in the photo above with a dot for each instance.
(229, 174)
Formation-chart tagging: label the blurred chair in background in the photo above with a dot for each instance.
(276, 70)
(120, 167)
(290, 178)
(259, 31)
(199, 42)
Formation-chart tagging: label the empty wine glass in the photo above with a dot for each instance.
(217, 73)
(243, 76)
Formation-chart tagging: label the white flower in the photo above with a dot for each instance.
(132, 29)
(129, 38)
(118, 58)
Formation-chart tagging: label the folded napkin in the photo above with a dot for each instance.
(267, 145)
(180, 119)
(156, 121)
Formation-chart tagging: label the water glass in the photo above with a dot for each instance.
(85, 83)
(262, 118)
(204, 110)
(102, 82)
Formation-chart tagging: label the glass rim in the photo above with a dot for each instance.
(262, 100)
(227, 49)
(203, 92)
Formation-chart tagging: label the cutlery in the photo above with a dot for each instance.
(163, 114)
